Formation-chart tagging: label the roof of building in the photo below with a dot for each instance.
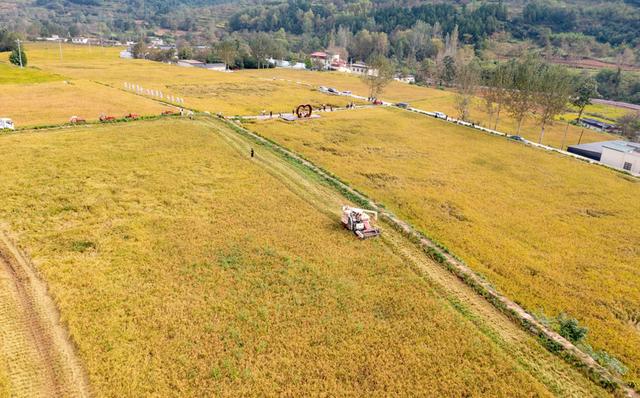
(191, 61)
(319, 54)
(623, 146)
(597, 123)
(593, 146)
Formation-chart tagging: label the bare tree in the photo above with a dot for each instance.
(467, 80)
(380, 74)
(553, 91)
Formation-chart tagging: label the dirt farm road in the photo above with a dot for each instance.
(41, 359)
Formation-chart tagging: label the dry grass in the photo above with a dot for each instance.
(5, 390)
(553, 233)
(184, 269)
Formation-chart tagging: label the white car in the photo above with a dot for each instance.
(440, 115)
(6, 124)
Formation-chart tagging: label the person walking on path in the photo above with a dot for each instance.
(252, 152)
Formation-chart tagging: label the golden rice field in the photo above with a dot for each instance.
(431, 99)
(599, 111)
(56, 102)
(10, 74)
(234, 93)
(553, 233)
(444, 101)
(184, 268)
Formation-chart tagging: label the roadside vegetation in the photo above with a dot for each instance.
(554, 234)
(182, 266)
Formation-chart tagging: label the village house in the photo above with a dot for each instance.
(192, 63)
(408, 79)
(619, 154)
(80, 40)
(281, 63)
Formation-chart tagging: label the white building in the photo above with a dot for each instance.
(622, 155)
(80, 40)
(281, 63)
(219, 67)
(360, 68)
(126, 54)
(190, 63)
(409, 79)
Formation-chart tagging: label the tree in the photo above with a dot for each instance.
(467, 79)
(447, 70)
(18, 57)
(427, 71)
(630, 126)
(139, 50)
(586, 89)
(523, 83)
(227, 50)
(7, 41)
(380, 74)
(553, 91)
(260, 45)
(495, 93)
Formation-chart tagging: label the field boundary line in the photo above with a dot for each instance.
(553, 341)
(62, 371)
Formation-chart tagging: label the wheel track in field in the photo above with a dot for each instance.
(40, 357)
(558, 376)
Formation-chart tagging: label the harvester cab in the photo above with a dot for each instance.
(359, 222)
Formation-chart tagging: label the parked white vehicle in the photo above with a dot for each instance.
(6, 124)
(440, 115)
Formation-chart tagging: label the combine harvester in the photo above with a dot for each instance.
(359, 222)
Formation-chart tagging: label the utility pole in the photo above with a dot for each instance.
(19, 52)
(60, 45)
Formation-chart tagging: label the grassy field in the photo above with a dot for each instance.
(553, 233)
(431, 99)
(554, 135)
(236, 93)
(56, 102)
(599, 111)
(10, 74)
(183, 268)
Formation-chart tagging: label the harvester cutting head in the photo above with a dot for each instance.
(359, 222)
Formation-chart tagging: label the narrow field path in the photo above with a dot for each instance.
(38, 355)
(560, 378)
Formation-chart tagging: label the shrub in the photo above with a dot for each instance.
(14, 57)
(570, 329)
